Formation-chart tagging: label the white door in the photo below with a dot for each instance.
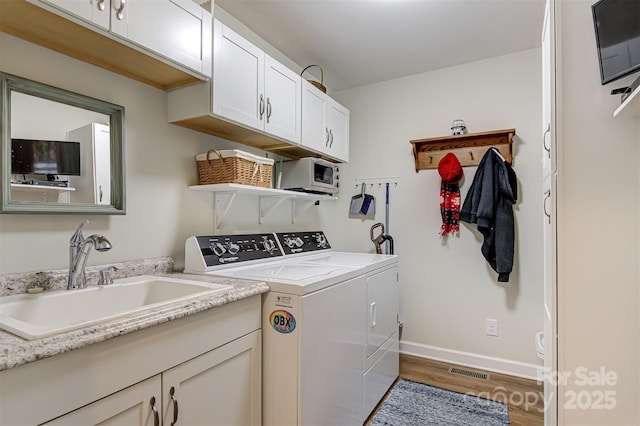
(238, 78)
(93, 11)
(382, 307)
(338, 125)
(220, 387)
(283, 97)
(133, 406)
(102, 164)
(176, 29)
(315, 134)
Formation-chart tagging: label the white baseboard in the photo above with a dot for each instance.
(483, 362)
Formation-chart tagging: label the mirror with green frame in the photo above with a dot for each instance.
(62, 152)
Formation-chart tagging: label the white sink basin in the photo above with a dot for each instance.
(33, 316)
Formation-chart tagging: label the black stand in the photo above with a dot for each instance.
(626, 91)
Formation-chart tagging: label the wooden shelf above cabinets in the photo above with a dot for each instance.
(469, 148)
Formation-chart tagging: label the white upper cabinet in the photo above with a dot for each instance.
(238, 78)
(255, 100)
(253, 89)
(177, 29)
(283, 113)
(325, 124)
(163, 43)
(94, 11)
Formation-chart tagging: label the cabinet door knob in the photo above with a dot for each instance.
(156, 416)
(326, 130)
(174, 401)
(101, 4)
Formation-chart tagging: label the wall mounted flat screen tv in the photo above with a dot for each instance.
(617, 26)
(44, 157)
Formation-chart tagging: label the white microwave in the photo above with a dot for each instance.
(309, 174)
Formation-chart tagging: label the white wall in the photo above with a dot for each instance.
(598, 234)
(447, 288)
(160, 164)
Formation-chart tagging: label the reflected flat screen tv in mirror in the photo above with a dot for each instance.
(45, 157)
(617, 27)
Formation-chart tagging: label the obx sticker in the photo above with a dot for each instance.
(282, 321)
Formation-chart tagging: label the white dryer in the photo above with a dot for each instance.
(330, 322)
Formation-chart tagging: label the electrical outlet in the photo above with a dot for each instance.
(491, 327)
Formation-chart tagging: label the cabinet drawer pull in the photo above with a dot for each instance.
(120, 11)
(174, 401)
(101, 4)
(326, 130)
(156, 416)
(330, 138)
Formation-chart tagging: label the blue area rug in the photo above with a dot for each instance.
(411, 403)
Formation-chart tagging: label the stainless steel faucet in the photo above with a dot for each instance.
(79, 248)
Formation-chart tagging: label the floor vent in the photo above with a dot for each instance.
(469, 373)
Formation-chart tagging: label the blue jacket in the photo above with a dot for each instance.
(489, 205)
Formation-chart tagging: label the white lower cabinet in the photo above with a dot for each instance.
(221, 387)
(204, 369)
(131, 406)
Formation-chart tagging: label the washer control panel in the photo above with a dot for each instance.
(302, 242)
(229, 249)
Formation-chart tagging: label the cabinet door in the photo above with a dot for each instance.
(93, 11)
(177, 29)
(338, 125)
(102, 164)
(220, 387)
(131, 406)
(238, 78)
(315, 134)
(283, 96)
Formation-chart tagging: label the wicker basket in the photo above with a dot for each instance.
(319, 84)
(234, 166)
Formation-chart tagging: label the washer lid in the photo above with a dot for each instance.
(293, 277)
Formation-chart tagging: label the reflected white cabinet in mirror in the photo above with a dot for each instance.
(62, 152)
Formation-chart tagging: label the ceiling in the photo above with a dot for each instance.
(360, 42)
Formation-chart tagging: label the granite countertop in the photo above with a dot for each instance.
(15, 351)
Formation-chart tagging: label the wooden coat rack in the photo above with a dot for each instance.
(469, 148)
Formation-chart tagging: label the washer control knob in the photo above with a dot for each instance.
(269, 245)
(218, 249)
(233, 248)
(290, 242)
(321, 240)
(298, 242)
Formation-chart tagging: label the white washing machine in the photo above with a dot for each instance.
(330, 322)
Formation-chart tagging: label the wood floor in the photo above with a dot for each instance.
(523, 397)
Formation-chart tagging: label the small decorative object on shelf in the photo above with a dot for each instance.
(458, 127)
(468, 148)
